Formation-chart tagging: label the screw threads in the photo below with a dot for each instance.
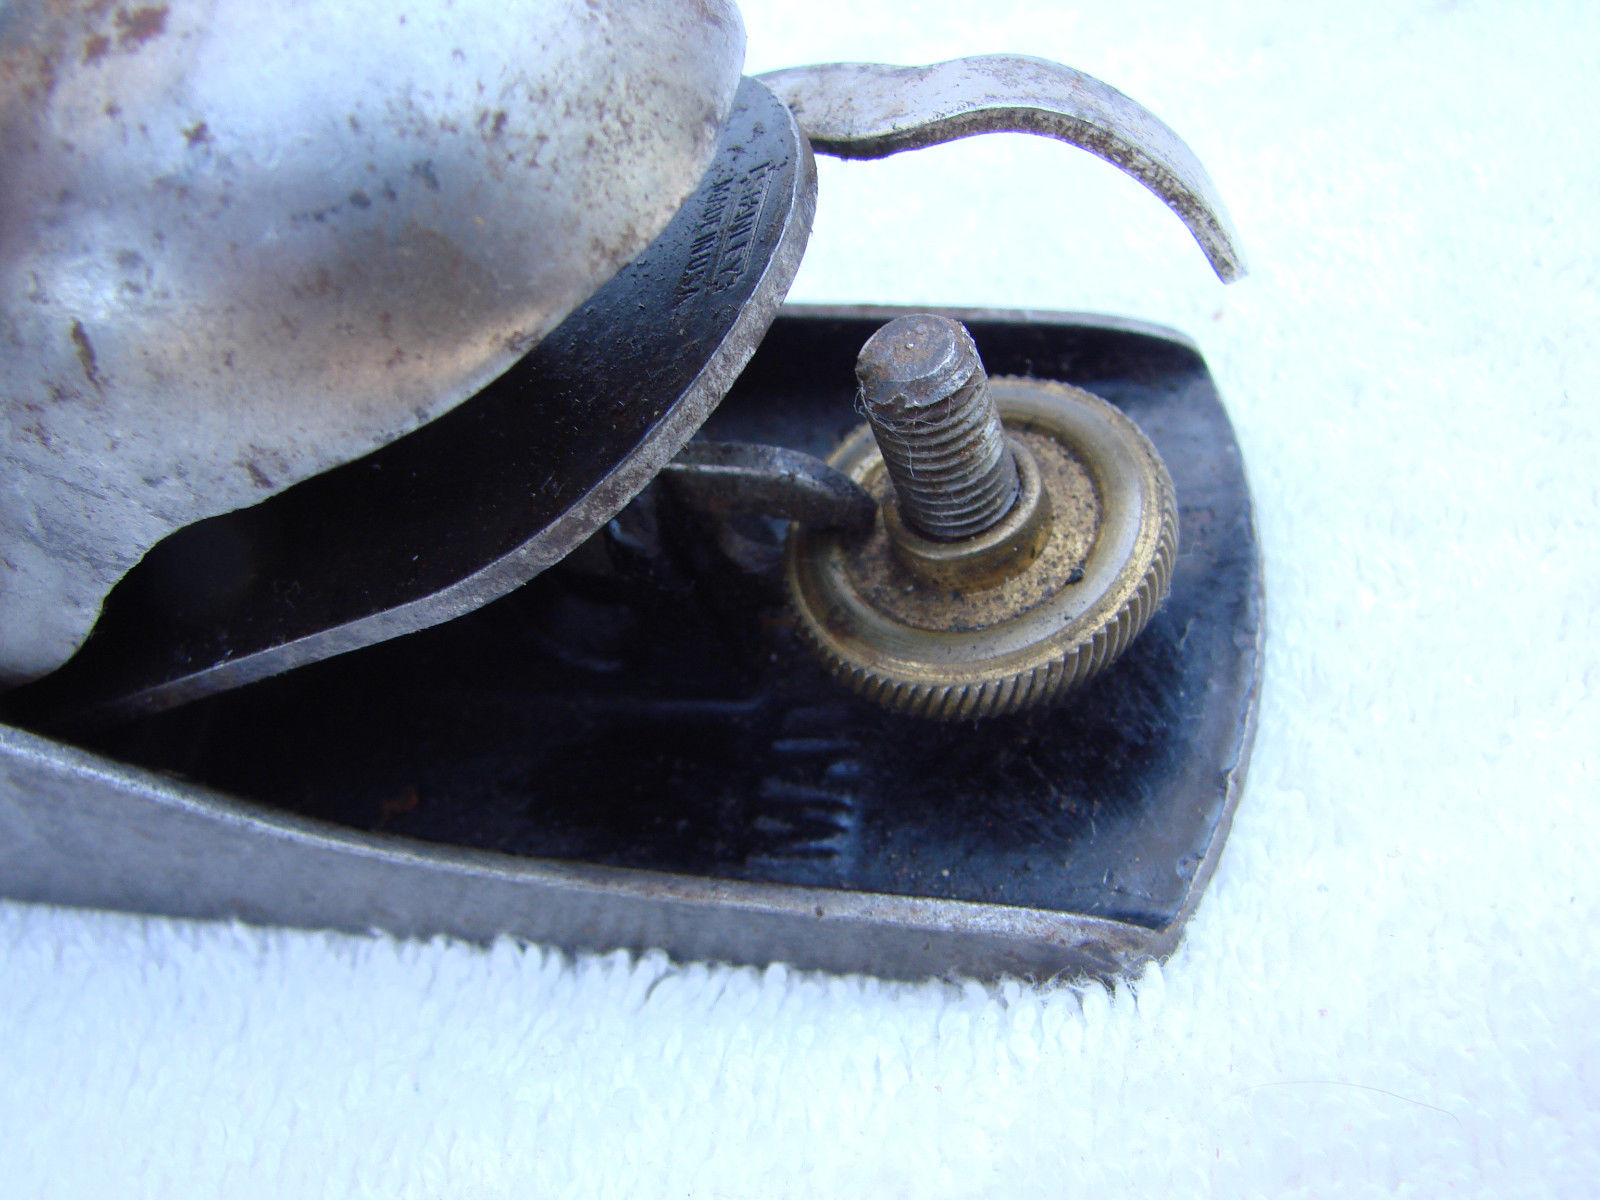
(926, 395)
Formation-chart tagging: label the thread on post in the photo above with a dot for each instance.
(925, 393)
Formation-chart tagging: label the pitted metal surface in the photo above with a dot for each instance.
(242, 243)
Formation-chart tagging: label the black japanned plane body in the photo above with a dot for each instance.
(645, 706)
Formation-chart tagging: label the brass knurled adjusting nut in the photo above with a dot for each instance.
(1016, 615)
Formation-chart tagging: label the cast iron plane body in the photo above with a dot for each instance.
(634, 751)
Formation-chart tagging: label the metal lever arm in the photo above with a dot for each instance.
(774, 481)
(868, 110)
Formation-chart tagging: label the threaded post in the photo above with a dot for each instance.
(925, 393)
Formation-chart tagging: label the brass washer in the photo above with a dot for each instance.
(988, 654)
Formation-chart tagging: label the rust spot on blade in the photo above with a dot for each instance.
(96, 48)
(197, 134)
(423, 170)
(138, 25)
(493, 124)
(91, 368)
(29, 71)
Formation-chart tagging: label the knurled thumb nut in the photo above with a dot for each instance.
(1072, 535)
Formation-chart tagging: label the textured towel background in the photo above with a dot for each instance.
(1392, 983)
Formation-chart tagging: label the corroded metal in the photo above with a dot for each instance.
(951, 653)
(926, 396)
(242, 243)
(868, 110)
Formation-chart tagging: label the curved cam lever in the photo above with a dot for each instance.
(867, 110)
